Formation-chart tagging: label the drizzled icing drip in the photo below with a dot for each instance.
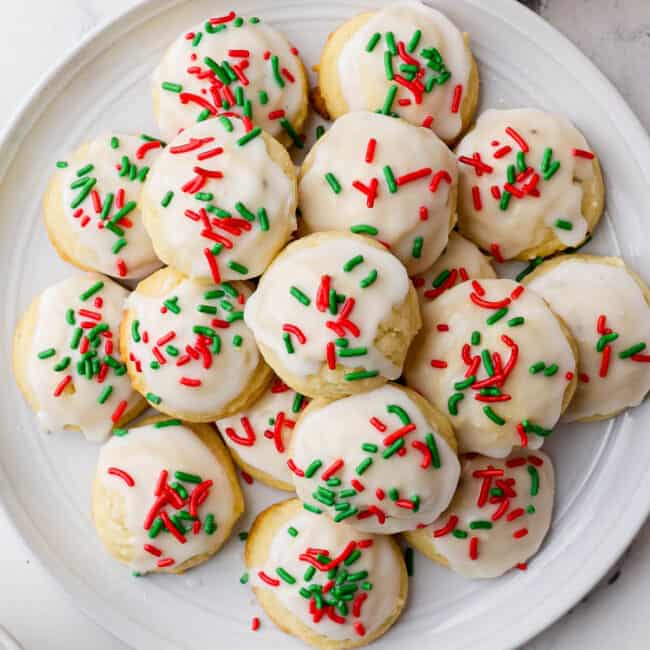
(74, 367)
(220, 206)
(374, 461)
(229, 65)
(499, 366)
(367, 169)
(323, 304)
(410, 60)
(190, 345)
(101, 186)
(521, 176)
(261, 434)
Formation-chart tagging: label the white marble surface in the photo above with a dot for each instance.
(615, 34)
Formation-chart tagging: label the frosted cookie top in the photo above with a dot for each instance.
(231, 65)
(220, 201)
(499, 515)
(522, 179)
(322, 302)
(461, 261)
(608, 314)
(260, 435)
(74, 368)
(494, 357)
(367, 169)
(99, 196)
(188, 348)
(375, 461)
(409, 59)
(309, 552)
(178, 500)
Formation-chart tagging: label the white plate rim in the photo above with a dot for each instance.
(90, 602)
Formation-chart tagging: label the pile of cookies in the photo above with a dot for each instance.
(338, 331)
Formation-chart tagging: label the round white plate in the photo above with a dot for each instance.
(602, 469)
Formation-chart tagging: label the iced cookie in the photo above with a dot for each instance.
(220, 201)
(232, 65)
(385, 178)
(334, 315)
(497, 519)
(187, 348)
(382, 461)
(497, 360)
(529, 184)
(66, 357)
(165, 495)
(258, 437)
(406, 59)
(329, 585)
(460, 262)
(607, 308)
(92, 206)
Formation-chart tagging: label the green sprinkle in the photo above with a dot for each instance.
(352, 558)
(374, 39)
(370, 447)
(187, 478)
(352, 262)
(119, 245)
(460, 534)
(440, 278)
(292, 531)
(237, 267)
(244, 578)
(182, 492)
(292, 133)
(632, 350)
(345, 514)
(397, 410)
(360, 374)
(551, 370)
(157, 525)
(98, 286)
(105, 394)
(534, 480)
(251, 135)
(487, 362)
(530, 509)
(168, 423)
(546, 159)
(313, 467)
(536, 367)
(521, 161)
(413, 43)
(532, 265)
(416, 251)
(505, 200)
(390, 98)
(551, 170)
(285, 575)
(300, 296)
(363, 466)
(207, 309)
(244, 211)
(320, 131)
(388, 65)
(536, 429)
(297, 403)
(333, 182)
(286, 337)
(243, 536)
(390, 179)
(452, 403)
(310, 508)
(496, 316)
(76, 337)
(515, 322)
(46, 354)
(172, 87)
(393, 494)
(235, 315)
(563, 224)
(62, 365)
(511, 174)
(364, 229)
(275, 66)
(389, 451)
(433, 449)
(353, 352)
(369, 279)
(390, 43)
(227, 124)
(480, 524)
(85, 170)
(476, 338)
(263, 218)
(237, 340)
(604, 340)
(153, 398)
(309, 574)
(197, 38)
(209, 525)
(69, 317)
(61, 164)
(497, 419)
(465, 383)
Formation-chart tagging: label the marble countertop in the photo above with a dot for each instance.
(615, 35)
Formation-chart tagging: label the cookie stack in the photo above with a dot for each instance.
(338, 331)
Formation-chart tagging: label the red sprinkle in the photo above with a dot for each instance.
(296, 331)
(332, 469)
(447, 528)
(248, 479)
(476, 198)
(442, 175)
(378, 424)
(496, 253)
(473, 548)
(212, 263)
(370, 150)
(118, 412)
(168, 561)
(154, 550)
(331, 355)
(357, 485)
(238, 54)
(255, 624)
(518, 139)
(581, 153)
(273, 582)
(424, 213)
(127, 478)
(604, 361)
(455, 102)
(359, 629)
(522, 532)
(223, 19)
(294, 468)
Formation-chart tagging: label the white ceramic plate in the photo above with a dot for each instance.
(45, 481)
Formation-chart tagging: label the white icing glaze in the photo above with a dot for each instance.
(580, 291)
(229, 366)
(497, 550)
(337, 432)
(412, 212)
(378, 560)
(184, 64)
(143, 453)
(536, 398)
(250, 177)
(526, 221)
(362, 74)
(267, 448)
(78, 404)
(462, 259)
(272, 305)
(118, 187)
